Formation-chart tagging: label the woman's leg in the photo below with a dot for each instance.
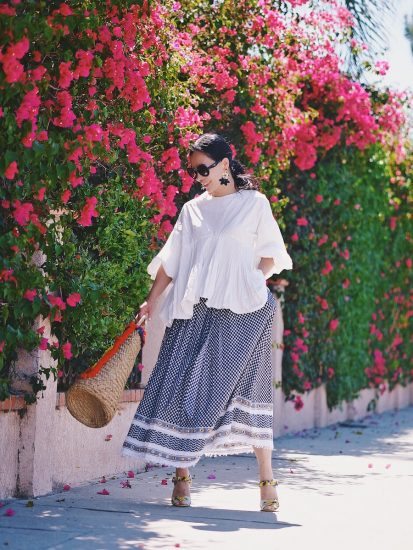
(182, 488)
(265, 471)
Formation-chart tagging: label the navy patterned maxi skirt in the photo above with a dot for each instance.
(210, 392)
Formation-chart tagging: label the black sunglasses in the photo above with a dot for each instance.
(202, 169)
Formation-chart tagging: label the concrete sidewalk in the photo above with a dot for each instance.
(348, 486)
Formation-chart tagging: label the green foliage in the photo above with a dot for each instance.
(377, 272)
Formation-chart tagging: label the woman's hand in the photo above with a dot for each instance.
(145, 309)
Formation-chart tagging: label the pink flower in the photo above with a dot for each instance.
(302, 221)
(65, 196)
(324, 304)
(67, 350)
(56, 301)
(382, 67)
(88, 212)
(22, 212)
(65, 10)
(334, 324)
(67, 116)
(295, 3)
(40, 194)
(11, 170)
(73, 299)
(140, 367)
(66, 75)
(319, 198)
(2, 344)
(38, 73)
(12, 68)
(30, 294)
(330, 372)
(43, 343)
(29, 108)
(171, 159)
(298, 403)
(346, 283)
(94, 132)
(328, 267)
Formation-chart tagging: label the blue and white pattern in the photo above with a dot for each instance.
(210, 392)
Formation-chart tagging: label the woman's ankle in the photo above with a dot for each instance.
(182, 472)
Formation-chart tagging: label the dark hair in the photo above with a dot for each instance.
(217, 147)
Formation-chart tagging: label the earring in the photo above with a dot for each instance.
(224, 180)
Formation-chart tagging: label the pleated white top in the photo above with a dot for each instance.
(214, 251)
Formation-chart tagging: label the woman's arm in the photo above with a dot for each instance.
(162, 280)
(266, 265)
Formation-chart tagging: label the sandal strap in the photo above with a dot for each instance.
(269, 502)
(175, 479)
(265, 482)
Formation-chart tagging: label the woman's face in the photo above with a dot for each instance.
(211, 181)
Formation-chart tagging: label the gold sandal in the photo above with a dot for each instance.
(269, 504)
(181, 500)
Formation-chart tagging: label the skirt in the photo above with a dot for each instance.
(210, 392)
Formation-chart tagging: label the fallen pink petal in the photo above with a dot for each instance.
(103, 480)
(9, 512)
(66, 487)
(212, 476)
(131, 474)
(103, 492)
(164, 482)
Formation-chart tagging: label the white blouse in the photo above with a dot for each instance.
(214, 251)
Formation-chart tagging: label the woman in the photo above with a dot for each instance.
(210, 391)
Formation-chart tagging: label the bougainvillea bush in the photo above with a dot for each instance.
(349, 319)
(99, 102)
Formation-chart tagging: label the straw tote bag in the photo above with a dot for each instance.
(94, 396)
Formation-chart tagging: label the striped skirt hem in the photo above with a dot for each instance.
(241, 428)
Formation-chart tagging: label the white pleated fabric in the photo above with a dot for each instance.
(214, 251)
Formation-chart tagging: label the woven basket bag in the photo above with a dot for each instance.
(94, 396)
